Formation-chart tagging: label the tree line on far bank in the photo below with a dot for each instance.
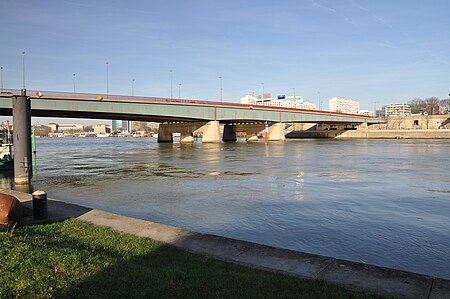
(432, 106)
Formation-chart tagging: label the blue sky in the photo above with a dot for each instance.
(383, 51)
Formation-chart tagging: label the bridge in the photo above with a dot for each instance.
(188, 117)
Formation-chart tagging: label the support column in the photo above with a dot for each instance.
(276, 132)
(165, 133)
(22, 138)
(229, 133)
(211, 132)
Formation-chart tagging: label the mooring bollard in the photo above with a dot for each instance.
(40, 204)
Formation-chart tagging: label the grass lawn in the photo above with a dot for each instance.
(77, 259)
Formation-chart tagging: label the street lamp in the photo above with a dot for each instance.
(74, 83)
(179, 90)
(221, 90)
(171, 84)
(320, 104)
(23, 69)
(1, 77)
(107, 79)
(375, 109)
(293, 89)
(262, 97)
(132, 87)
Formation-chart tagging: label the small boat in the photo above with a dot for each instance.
(101, 135)
(6, 148)
(6, 156)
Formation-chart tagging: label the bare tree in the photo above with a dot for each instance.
(432, 105)
(418, 105)
(446, 104)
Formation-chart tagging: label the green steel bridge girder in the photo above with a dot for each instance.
(174, 112)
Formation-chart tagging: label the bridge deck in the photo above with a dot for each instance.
(82, 105)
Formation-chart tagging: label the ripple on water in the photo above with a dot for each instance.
(378, 201)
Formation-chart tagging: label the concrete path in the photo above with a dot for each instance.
(356, 276)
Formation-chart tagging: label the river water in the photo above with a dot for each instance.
(383, 202)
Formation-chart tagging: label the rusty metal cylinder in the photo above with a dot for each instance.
(40, 205)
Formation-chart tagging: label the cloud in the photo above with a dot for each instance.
(375, 16)
(333, 11)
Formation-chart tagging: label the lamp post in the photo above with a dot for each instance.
(221, 90)
(293, 89)
(23, 69)
(74, 83)
(320, 104)
(1, 78)
(107, 79)
(374, 109)
(171, 84)
(262, 97)
(132, 87)
(179, 90)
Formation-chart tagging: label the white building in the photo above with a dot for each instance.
(397, 109)
(66, 127)
(365, 112)
(338, 104)
(280, 101)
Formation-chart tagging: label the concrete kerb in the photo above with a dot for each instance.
(357, 276)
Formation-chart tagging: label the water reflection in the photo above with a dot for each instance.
(377, 201)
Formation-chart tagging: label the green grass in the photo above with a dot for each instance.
(76, 259)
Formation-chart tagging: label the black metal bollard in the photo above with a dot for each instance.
(40, 204)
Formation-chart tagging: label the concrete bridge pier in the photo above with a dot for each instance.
(229, 133)
(165, 133)
(22, 138)
(276, 132)
(210, 132)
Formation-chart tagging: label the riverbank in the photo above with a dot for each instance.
(75, 259)
(372, 134)
(367, 278)
(396, 134)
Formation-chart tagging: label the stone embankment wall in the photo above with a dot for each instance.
(396, 134)
(396, 127)
(415, 122)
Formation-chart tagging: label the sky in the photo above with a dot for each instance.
(371, 51)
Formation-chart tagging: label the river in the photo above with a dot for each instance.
(383, 202)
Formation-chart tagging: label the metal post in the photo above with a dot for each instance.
(132, 88)
(74, 83)
(1, 74)
(171, 84)
(23, 70)
(40, 205)
(221, 90)
(320, 104)
(179, 90)
(22, 138)
(107, 80)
